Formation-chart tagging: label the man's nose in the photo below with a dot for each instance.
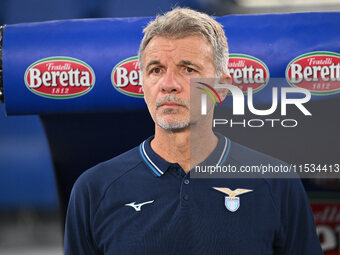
(170, 82)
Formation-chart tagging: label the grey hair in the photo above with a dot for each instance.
(182, 22)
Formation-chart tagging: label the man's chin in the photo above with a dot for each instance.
(173, 127)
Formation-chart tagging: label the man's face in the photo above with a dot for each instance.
(168, 66)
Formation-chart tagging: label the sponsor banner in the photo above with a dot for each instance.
(59, 77)
(248, 72)
(108, 47)
(319, 72)
(327, 220)
(126, 77)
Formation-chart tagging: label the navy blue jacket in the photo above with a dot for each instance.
(138, 203)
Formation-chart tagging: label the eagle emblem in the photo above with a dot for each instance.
(232, 202)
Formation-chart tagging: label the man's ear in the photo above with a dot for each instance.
(224, 79)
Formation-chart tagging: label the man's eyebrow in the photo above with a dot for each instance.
(154, 62)
(189, 63)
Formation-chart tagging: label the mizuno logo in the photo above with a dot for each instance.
(138, 207)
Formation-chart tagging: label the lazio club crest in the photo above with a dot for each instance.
(232, 202)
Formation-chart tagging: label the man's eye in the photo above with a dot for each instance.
(156, 70)
(189, 69)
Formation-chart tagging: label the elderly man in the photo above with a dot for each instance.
(143, 201)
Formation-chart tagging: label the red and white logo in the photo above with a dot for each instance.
(127, 78)
(248, 72)
(319, 72)
(327, 220)
(59, 77)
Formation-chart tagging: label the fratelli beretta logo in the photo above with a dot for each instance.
(59, 77)
(127, 78)
(248, 72)
(319, 72)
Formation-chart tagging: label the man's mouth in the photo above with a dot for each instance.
(170, 104)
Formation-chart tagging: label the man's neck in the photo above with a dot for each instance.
(186, 147)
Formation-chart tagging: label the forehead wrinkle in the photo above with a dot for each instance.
(161, 49)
